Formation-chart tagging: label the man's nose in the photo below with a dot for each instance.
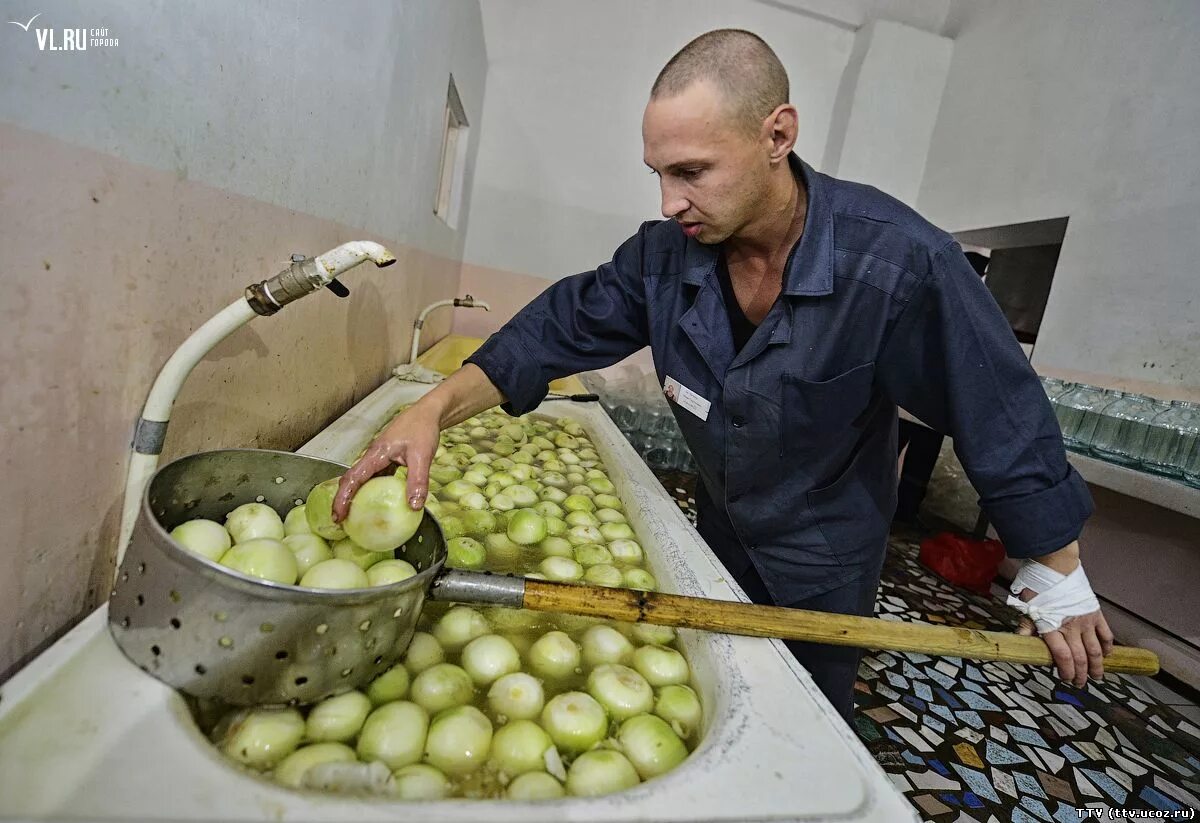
(672, 203)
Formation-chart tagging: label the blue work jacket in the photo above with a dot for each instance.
(878, 309)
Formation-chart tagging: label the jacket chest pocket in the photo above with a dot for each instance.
(813, 412)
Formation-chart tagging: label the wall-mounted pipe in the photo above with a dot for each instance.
(265, 298)
(467, 302)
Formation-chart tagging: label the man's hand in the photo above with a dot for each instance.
(1080, 644)
(412, 438)
(409, 440)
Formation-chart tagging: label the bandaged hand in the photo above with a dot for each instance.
(1065, 612)
(1058, 597)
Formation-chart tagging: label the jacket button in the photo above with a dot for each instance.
(738, 421)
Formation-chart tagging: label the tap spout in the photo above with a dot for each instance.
(306, 275)
(470, 302)
(349, 255)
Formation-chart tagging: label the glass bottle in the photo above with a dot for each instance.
(1191, 464)
(1173, 436)
(1123, 427)
(1055, 388)
(624, 413)
(1078, 411)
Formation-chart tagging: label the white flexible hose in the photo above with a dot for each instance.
(467, 302)
(192, 351)
(416, 341)
(162, 398)
(143, 460)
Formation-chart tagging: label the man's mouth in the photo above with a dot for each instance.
(691, 229)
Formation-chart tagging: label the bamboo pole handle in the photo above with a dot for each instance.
(732, 617)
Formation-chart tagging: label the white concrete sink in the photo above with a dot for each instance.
(86, 735)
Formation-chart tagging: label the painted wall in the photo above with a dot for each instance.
(1053, 109)
(144, 186)
(560, 181)
(887, 107)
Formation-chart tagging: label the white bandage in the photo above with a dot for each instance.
(1059, 597)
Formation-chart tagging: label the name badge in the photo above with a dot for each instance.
(686, 398)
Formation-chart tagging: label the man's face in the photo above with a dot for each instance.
(713, 175)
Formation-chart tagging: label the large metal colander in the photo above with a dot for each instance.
(212, 632)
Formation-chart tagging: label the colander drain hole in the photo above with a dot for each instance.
(300, 681)
(140, 600)
(175, 624)
(259, 499)
(225, 642)
(278, 481)
(299, 501)
(363, 626)
(322, 628)
(125, 622)
(141, 568)
(175, 596)
(281, 654)
(155, 650)
(267, 628)
(247, 680)
(200, 669)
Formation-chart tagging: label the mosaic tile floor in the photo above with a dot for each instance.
(991, 742)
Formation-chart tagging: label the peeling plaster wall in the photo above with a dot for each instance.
(143, 187)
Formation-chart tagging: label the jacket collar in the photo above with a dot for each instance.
(810, 267)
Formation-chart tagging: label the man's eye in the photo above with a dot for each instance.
(690, 174)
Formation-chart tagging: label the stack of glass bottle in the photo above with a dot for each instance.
(1129, 429)
(635, 402)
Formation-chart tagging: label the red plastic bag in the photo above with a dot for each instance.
(962, 560)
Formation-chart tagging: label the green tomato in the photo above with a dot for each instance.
(459, 740)
(308, 549)
(465, 553)
(335, 574)
(264, 558)
(337, 719)
(207, 538)
(252, 521)
(387, 572)
(262, 737)
(318, 510)
(380, 518)
(394, 734)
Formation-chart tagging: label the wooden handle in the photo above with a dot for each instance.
(801, 624)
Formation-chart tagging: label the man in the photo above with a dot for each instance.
(794, 311)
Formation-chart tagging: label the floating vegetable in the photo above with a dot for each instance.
(206, 538)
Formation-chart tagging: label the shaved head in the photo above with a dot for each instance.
(739, 64)
(718, 131)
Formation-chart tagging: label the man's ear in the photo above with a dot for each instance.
(782, 126)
